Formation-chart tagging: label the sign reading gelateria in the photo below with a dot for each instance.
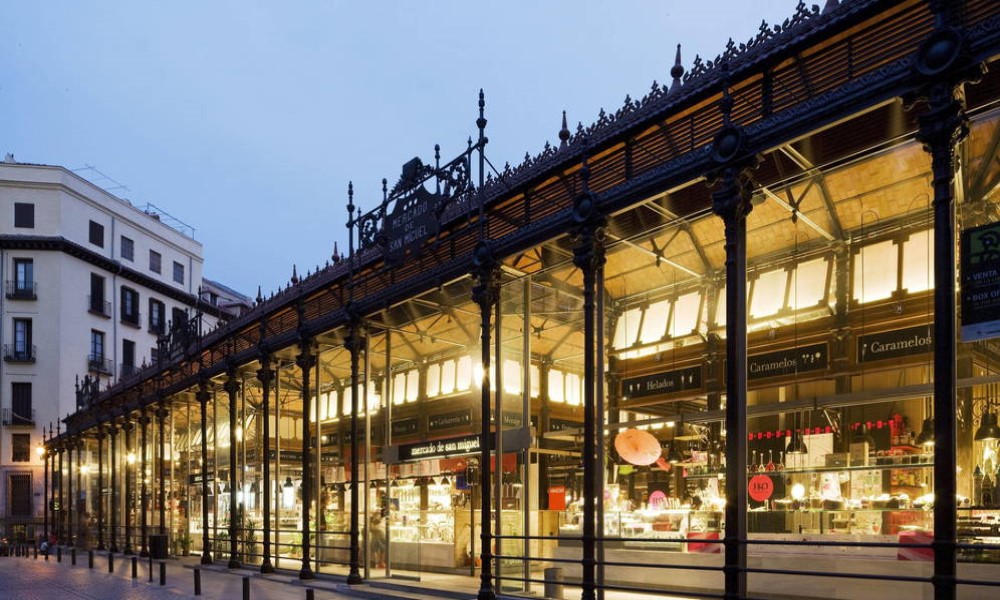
(896, 343)
(662, 383)
(788, 362)
(467, 444)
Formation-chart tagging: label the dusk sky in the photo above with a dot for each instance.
(246, 120)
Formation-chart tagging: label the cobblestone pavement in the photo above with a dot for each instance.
(37, 579)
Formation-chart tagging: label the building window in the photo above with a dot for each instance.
(95, 360)
(21, 409)
(154, 355)
(97, 303)
(179, 318)
(24, 215)
(20, 444)
(178, 273)
(130, 306)
(157, 316)
(128, 358)
(21, 350)
(20, 494)
(128, 249)
(22, 287)
(97, 234)
(154, 261)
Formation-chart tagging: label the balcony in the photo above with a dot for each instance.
(21, 290)
(126, 370)
(98, 306)
(132, 320)
(99, 364)
(13, 419)
(19, 353)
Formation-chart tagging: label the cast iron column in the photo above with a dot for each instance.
(78, 501)
(70, 502)
(354, 344)
(943, 67)
(265, 374)
(128, 427)
(113, 495)
(61, 513)
(306, 361)
(45, 495)
(99, 501)
(731, 202)
(485, 294)
(203, 396)
(143, 490)
(161, 416)
(588, 256)
(232, 386)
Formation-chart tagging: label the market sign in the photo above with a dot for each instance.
(562, 424)
(405, 426)
(896, 343)
(512, 419)
(788, 362)
(410, 223)
(662, 383)
(198, 478)
(466, 444)
(449, 420)
(980, 276)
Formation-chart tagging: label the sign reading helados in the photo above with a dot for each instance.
(638, 447)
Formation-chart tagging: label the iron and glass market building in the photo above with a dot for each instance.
(734, 339)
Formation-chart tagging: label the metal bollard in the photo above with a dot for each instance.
(197, 581)
(46, 554)
(90, 559)
(135, 567)
(36, 552)
(150, 568)
(246, 588)
(111, 563)
(310, 594)
(163, 573)
(72, 556)
(59, 554)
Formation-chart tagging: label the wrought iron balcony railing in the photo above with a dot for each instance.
(21, 290)
(99, 306)
(15, 419)
(24, 353)
(99, 364)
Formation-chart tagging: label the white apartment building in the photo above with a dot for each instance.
(90, 281)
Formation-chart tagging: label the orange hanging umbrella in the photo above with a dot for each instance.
(638, 447)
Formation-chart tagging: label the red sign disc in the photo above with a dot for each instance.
(760, 487)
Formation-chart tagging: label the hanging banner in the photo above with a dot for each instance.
(979, 268)
(662, 383)
(896, 343)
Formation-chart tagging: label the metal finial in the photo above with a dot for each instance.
(481, 121)
(677, 71)
(350, 197)
(259, 297)
(385, 189)
(336, 253)
(295, 275)
(564, 132)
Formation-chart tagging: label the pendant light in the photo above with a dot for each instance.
(862, 435)
(988, 430)
(674, 456)
(797, 445)
(926, 437)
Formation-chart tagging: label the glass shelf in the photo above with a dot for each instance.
(820, 470)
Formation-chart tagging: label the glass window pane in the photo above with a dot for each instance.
(535, 383)
(809, 284)
(627, 328)
(511, 376)
(875, 268)
(412, 385)
(398, 388)
(720, 308)
(686, 310)
(556, 386)
(573, 389)
(463, 374)
(433, 380)
(768, 296)
(918, 266)
(447, 377)
(324, 400)
(654, 324)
